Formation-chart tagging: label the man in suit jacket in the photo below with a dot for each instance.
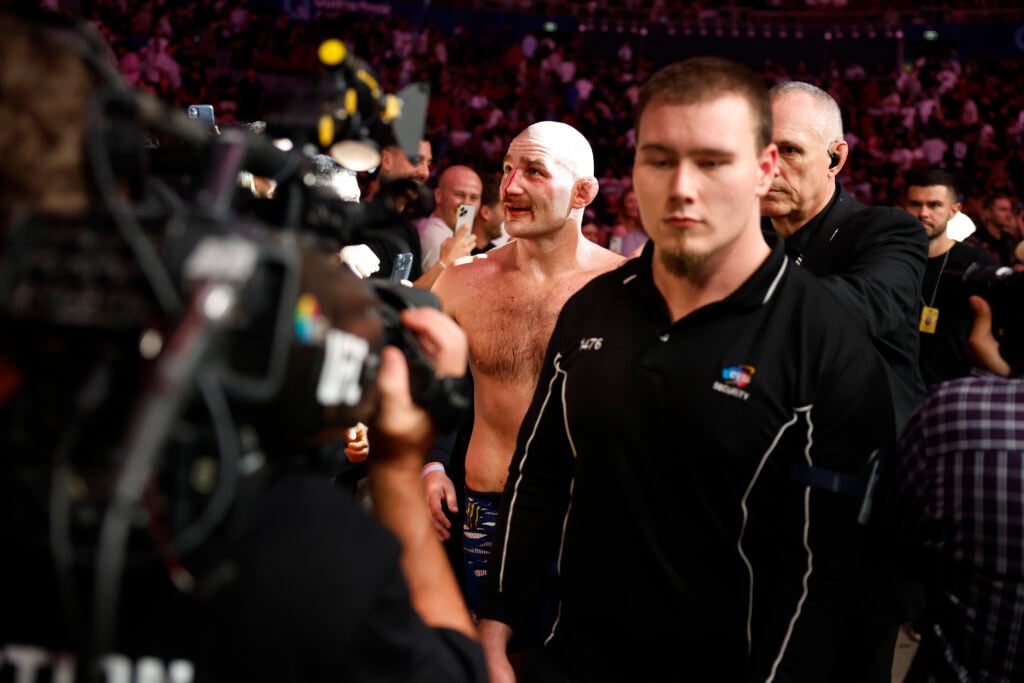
(873, 260)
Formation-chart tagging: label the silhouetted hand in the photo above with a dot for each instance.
(982, 346)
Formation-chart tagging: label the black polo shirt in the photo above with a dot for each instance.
(943, 354)
(656, 464)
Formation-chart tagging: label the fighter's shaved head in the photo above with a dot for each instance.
(566, 144)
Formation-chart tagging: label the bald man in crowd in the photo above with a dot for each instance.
(457, 188)
(507, 303)
(872, 259)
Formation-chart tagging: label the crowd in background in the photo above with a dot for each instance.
(958, 113)
(962, 113)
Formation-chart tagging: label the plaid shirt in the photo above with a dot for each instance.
(960, 475)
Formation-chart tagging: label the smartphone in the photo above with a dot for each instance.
(464, 216)
(402, 267)
(202, 113)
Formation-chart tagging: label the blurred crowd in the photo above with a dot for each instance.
(748, 230)
(965, 114)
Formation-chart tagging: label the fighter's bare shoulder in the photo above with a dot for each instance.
(466, 277)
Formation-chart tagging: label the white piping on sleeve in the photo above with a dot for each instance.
(807, 547)
(743, 527)
(746, 515)
(572, 487)
(519, 478)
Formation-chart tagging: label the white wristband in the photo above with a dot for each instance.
(432, 467)
(442, 264)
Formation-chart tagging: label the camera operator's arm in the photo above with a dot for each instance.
(982, 346)
(402, 434)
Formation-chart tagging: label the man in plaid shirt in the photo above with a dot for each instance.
(959, 474)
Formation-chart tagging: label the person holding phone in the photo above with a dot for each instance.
(446, 234)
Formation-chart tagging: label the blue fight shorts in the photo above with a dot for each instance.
(477, 539)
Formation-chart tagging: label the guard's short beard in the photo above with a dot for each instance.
(684, 264)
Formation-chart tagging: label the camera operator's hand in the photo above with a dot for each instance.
(442, 339)
(402, 427)
(402, 430)
(402, 433)
(982, 346)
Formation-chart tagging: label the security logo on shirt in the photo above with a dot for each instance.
(733, 381)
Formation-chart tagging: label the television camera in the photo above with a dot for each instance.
(160, 351)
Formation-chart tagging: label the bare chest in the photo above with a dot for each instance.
(508, 333)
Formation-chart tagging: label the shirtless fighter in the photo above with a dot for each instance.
(507, 303)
